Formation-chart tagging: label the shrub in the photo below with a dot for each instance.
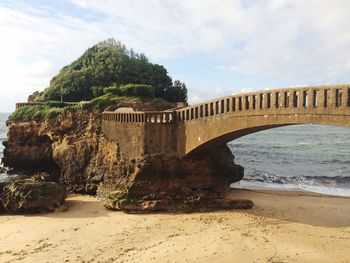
(112, 89)
(137, 90)
(106, 100)
(55, 104)
(53, 113)
(25, 113)
(38, 116)
(86, 105)
(36, 113)
(97, 91)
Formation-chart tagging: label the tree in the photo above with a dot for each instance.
(105, 64)
(176, 93)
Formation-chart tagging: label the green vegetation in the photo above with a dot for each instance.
(109, 67)
(142, 91)
(106, 100)
(49, 110)
(37, 113)
(52, 109)
(112, 89)
(129, 90)
(55, 104)
(120, 198)
(105, 75)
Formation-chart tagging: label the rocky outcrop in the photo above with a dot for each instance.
(168, 183)
(33, 195)
(62, 147)
(73, 149)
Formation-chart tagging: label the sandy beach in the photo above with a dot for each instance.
(284, 226)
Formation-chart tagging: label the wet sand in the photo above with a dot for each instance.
(284, 226)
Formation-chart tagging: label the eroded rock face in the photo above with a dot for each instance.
(30, 196)
(168, 183)
(64, 147)
(27, 148)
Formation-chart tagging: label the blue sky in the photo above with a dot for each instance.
(216, 48)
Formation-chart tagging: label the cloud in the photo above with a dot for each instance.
(276, 42)
(302, 41)
(33, 48)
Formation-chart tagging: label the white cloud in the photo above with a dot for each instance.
(305, 41)
(288, 42)
(33, 48)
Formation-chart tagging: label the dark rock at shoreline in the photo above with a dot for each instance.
(30, 196)
(182, 205)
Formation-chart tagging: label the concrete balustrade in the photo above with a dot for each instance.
(284, 100)
(140, 117)
(288, 100)
(22, 104)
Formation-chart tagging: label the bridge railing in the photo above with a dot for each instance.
(22, 104)
(139, 117)
(289, 100)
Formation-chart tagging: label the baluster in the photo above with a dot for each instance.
(321, 99)
(167, 119)
(296, 98)
(253, 101)
(239, 105)
(245, 103)
(315, 98)
(258, 101)
(345, 99)
(266, 101)
(332, 97)
(303, 98)
(273, 100)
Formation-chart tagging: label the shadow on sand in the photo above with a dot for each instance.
(276, 207)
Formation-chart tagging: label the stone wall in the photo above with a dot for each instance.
(140, 133)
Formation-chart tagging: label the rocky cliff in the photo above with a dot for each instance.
(74, 150)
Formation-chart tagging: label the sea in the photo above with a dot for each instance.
(314, 158)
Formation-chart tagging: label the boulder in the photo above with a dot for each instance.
(169, 183)
(30, 196)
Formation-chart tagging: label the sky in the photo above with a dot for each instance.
(216, 47)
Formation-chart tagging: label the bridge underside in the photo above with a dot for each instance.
(203, 135)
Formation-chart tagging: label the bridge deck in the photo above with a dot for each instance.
(303, 100)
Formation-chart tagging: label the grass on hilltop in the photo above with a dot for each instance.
(53, 109)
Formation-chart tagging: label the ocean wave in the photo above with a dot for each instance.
(321, 189)
(332, 185)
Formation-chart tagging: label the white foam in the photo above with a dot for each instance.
(309, 188)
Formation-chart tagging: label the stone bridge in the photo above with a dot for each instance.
(202, 127)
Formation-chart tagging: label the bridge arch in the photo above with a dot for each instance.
(211, 124)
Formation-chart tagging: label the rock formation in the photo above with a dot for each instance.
(32, 195)
(74, 150)
(167, 183)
